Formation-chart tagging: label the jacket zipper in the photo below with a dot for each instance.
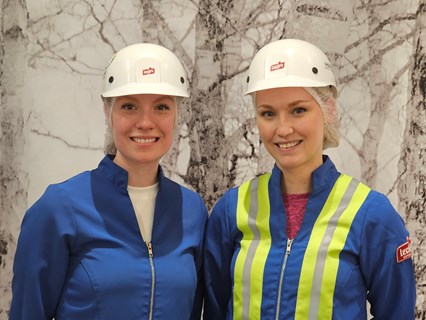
(287, 253)
(151, 263)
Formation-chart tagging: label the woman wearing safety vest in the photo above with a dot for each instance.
(304, 241)
(121, 241)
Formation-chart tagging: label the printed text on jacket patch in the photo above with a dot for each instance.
(403, 252)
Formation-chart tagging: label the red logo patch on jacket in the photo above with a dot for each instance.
(403, 252)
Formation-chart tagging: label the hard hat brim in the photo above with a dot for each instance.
(289, 82)
(145, 88)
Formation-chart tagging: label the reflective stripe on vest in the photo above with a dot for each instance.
(253, 222)
(321, 260)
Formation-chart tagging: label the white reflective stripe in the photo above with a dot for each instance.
(252, 215)
(321, 258)
(323, 249)
(253, 222)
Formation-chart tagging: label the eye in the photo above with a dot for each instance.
(128, 106)
(299, 110)
(163, 107)
(267, 114)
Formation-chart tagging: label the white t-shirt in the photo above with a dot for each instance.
(143, 200)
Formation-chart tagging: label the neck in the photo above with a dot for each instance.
(142, 177)
(139, 174)
(296, 182)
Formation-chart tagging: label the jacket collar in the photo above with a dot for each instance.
(119, 176)
(320, 177)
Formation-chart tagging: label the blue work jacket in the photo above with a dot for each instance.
(80, 253)
(352, 247)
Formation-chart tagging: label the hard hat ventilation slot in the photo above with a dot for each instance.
(248, 79)
(315, 70)
(182, 79)
(111, 79)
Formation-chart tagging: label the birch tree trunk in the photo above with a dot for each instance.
(381, 30)
(13, 181)
(376, 79)
(208, 164)
(412, 164)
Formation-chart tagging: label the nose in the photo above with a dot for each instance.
(144, 120)
(284, 126)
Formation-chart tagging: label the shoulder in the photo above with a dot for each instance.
(375, 206)
(58, 197)
(69, 185)
(190, 198)
(169, 184)
(381, 209)
(230, 196)
(382, 221)
(56, 192)
(227, 203)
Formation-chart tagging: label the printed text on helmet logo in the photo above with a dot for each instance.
(277, 66)
(148, 71)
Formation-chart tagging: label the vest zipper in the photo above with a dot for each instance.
(287, 253)
(151, 263)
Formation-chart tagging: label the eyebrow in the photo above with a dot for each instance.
(298, 102)
(133, 98)
(165, 97)
(292, 104)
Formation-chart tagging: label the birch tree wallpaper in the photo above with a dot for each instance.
(52, 55)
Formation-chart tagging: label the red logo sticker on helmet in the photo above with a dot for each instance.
(277, 66)
(403, 252)
(148, 71)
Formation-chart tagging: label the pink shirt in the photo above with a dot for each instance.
(295, 205)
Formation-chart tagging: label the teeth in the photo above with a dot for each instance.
(141, 140)
(288, 145)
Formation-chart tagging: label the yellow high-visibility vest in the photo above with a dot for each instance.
(321, 259)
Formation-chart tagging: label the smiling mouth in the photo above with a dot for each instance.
(143, 140)
(289, 144)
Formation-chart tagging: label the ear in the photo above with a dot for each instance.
(331, 111)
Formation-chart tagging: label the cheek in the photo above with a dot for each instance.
(317, 131)
(265, 130)
(119, 125)
(169, 126)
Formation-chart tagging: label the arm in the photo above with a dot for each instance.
(199, 293)
(389, 274)
(218, 252)
(41, 258)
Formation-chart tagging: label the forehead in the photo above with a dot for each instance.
(285, 94)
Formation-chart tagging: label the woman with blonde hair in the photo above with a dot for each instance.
(121, 241)
(304, 241)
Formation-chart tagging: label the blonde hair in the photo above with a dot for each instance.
(108, 103)
(109, 145)
(325, 98)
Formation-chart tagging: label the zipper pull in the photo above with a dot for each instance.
(149, 246)
(289, 243)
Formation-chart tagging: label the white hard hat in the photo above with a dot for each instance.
(144, 68)
(290, 63)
